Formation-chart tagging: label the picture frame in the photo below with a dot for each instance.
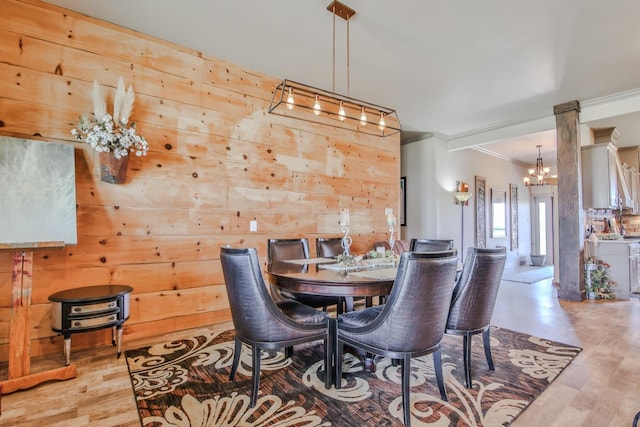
(498, 213)
(403, 201)
(481, 212)
(48, 214)
(513, 224)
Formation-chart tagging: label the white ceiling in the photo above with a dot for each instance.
(457, 68)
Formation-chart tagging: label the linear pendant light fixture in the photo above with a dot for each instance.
(303, 102)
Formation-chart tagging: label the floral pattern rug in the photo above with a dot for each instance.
(186, 383)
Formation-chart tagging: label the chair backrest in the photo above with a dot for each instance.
(255, 315)
(329, 247)
(430, 245)
(399, 246)
(283, 249)
(415, 314)
(475, 293)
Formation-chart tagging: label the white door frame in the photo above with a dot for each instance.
(547, 200)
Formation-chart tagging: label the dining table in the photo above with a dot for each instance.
(323, 276)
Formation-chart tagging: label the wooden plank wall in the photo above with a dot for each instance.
(217, 160)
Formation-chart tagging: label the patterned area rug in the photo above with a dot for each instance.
(186, 383)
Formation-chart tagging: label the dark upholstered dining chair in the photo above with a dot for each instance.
(329, 247)
(410, 324)
(430, 245)
(262, 323)
(280, 250)
(399, 246)
(473, 301)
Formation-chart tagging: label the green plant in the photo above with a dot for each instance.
(597, 279)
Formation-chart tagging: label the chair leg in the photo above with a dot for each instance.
(466, 351)
(437, 366)
(236, 358)
(406, 389)
(255, 375)
(486, 341)
(348, 302)
(337, 361)
(328, 355)
(288, 352)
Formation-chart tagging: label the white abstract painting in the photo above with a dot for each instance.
(37, 192)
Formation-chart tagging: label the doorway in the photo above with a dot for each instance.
(542, 227)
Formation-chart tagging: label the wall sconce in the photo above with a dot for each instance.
(304, 102)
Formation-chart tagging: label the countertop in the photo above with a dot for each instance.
(625, 241)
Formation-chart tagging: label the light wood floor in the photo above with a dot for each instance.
(601, 388)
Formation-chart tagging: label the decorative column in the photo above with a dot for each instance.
(570, 231)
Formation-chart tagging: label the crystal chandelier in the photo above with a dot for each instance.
(537, 174)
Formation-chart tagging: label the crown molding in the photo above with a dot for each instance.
(614, 105)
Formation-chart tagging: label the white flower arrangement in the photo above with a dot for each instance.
(107, 133)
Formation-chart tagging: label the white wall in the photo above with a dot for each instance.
(432, 171)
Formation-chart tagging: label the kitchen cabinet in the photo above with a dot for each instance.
(630, 158)
(623, 257)
(633, 180)
(599, 176)
(604, 184)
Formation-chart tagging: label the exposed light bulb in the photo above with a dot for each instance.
(363, 118)
(341, 113)
(532, 171)
(290, 101)
(546, 170)
(381, 123)
(316, 107)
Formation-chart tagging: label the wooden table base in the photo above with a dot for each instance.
(32, 380)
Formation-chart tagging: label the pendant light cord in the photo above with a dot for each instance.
(348, 53)
(334, 49)
(348, 49)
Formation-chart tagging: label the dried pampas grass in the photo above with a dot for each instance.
(123, 102)
(99, 101)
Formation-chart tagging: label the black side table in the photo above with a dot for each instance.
(88, 309)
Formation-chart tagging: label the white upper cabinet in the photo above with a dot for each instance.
(599, 176)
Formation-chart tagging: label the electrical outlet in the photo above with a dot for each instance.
(253, 225)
